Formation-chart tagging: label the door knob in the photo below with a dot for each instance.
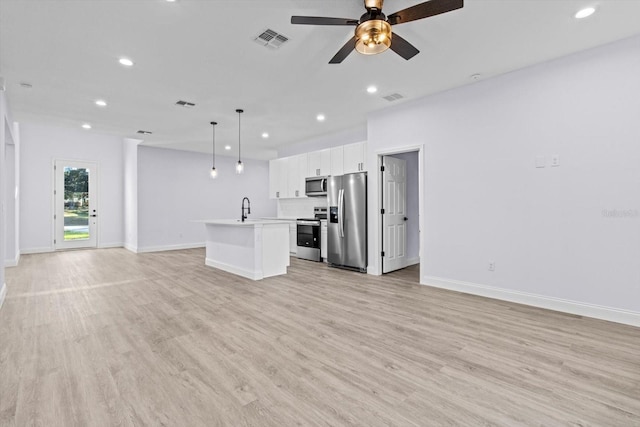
(93, 216)
(406, 219)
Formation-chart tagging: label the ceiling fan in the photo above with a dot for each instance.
(373, 30)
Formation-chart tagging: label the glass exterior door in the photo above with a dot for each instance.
(76, 207)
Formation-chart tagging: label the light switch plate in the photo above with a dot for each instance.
(541, 162)
(555, 160)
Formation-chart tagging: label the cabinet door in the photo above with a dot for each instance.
(354, 155)
(313, 164)
(278, 179)
(325, 162)
(293, 238)
(337, 167)
(297, 172)
(319, 163)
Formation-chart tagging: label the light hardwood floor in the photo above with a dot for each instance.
(107, 337)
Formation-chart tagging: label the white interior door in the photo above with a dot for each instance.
(394, 216)
(76, 210)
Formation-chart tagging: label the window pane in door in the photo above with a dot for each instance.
(76, 203)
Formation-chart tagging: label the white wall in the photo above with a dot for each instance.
(174, 190)
(12, 196)
(130, 166)
(413, 196)
(564, 237)
(348, 136)
(40, 145)
(3, 143)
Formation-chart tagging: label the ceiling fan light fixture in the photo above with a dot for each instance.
(373, 37)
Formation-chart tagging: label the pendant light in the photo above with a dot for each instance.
(214, 172)
(239, 165)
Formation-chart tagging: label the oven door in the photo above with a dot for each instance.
(308, 234)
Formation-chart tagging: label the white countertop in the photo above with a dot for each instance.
(238, 223)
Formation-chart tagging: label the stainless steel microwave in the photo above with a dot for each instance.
(316, 186)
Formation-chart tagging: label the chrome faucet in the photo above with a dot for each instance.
(248, 208)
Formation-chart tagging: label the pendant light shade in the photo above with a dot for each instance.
(214, 172)
(239, 165)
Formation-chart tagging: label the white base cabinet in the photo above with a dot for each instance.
(293, 238)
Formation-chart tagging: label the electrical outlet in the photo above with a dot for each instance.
(492, 266)
(555, 160)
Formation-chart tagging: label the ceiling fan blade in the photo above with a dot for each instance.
(424, 10)
(321, 20)
(344, 51)
(403, 47)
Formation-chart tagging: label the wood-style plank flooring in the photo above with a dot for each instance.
(110, 338)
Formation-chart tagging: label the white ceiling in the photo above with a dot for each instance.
(203, 52)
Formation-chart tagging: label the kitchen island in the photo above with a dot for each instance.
(254, 249)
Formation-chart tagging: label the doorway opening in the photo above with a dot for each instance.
(75, 199)
(400, 212)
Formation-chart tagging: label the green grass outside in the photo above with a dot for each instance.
(75, 235)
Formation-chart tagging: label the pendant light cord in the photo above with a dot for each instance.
(239, 145)
(213, 125)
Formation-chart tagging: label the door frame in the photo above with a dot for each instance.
(419, 148)
(96, 166)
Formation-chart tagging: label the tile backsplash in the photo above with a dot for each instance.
(299, 208)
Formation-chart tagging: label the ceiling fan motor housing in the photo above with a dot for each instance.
(373, 34)
(373, 4)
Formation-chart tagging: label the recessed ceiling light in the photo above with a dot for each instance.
(86, 126)
(372, 89)
(583, 13)
(126, 62)
(101, 103)
(265, 135)
(227, 147)
(320, 117)
(171, 1)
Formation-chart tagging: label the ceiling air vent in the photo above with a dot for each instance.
(185, 104)
(271, 39)
(144, 132)
(393, 97)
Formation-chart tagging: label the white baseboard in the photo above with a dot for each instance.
(36, 251)
(111, 245)
(413, 261)
(232, 269)
(169, 247)
(611, 314)
(13, 262)
(3, 293)
(131, 248)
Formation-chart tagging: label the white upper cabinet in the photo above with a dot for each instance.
(287, 175)
(278, 178)
(337, 156)
(354, 157)
(297, 172)
(319, 163)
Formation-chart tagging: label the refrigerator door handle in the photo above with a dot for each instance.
(341, 212)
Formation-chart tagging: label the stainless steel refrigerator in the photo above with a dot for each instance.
(347, 222)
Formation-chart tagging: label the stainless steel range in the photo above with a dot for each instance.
(308, 230)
